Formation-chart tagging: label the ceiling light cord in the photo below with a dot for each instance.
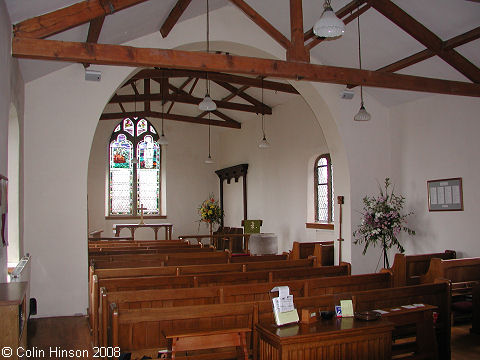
(360, 55)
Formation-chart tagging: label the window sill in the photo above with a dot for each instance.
(129, 217)
(320, 226)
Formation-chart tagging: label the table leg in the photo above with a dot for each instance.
(117, 231)
(132, 231)
(155, 230)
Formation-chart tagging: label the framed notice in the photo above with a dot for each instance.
(445, 195)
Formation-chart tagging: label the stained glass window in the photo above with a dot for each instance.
(323, 189)
(134, 157)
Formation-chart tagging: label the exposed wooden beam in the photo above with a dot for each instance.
(427, 38)
(69, 17)
(158, 115)
(147, 57)
(94, 31)
(297, 50)
(146, 92)
(193, 86)
(346, 20)
(245, 96)
(185, 98)
(229, 78)
(227, 119)
(185, 83)
(347, 9)
(262, 23)
(174, 16)
(427, 53)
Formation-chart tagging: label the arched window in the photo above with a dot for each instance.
(134, 167)
(323, 189)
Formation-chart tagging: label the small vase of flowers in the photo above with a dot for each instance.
(382, 222)
(210, 212)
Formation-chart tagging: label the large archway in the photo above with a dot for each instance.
(14, 250)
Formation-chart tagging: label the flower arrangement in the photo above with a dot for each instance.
(382, 221)
(210, 211)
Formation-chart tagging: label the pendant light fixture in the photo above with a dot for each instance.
(264, 144)
(209, 159)
(362, 114)
(207, 104)
(329, 25)
(162, 140)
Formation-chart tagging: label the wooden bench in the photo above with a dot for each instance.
(462, 273)
(207, 280)
(139, 330)
(323, 251)
(209, 339)
(407, 269)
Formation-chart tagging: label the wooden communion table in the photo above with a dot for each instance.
(155, 227)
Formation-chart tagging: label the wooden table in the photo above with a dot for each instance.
(155, 227)
(425, 346)
(344, 339)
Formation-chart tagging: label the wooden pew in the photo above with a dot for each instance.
(323, 251)
(118, 241)
(140, 330)
(407, 269)
(169, 259)
(203, 280)
(102, 252)
(184, 270)
(462, 273)
(233, 293)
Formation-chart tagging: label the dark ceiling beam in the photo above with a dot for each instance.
(182, 86)
(174, 117)
(459, 40)
(94, 31)
(427, 38)
(185, 98)
(245, 96)
(54, 22)
(347, 9)
(121, 55)
(174, 16)
(214, 76)
(346, 20)
(297, 50)
(262, 23)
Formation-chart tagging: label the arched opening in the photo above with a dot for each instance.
(13, 214)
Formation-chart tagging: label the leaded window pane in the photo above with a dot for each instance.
(128, 126)
(322, 174)
(141, 127)
(121, 176)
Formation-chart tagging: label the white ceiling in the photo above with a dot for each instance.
(382, 41)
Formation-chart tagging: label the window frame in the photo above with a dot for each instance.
(329, 188)
(135, 140)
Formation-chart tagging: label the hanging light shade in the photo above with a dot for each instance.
(264, 144)
(207, 104)
(209, 160)
(329, 25)
(362, 115)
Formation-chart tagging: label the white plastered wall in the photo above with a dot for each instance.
(61, 116)
(437, 138)
(12, 96)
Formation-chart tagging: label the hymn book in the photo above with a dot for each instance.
(283, 308)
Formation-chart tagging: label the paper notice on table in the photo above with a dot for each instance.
(347, 308)
(283, 307)
(433, 196)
